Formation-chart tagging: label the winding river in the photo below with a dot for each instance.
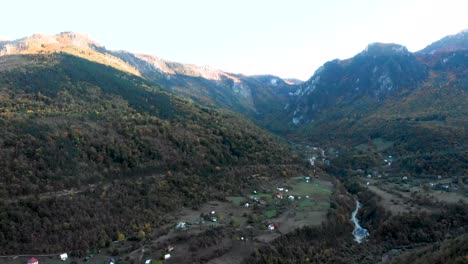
(359, 233)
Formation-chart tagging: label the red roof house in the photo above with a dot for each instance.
(33, 261)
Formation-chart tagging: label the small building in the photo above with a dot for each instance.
(148, 261)
(33, 261)
(111, 261)
(181, 225)
(291, 197)
(170, 248)
(213, 216)
(167, 256)
(246, 205)
(64, 256)
(271, 227)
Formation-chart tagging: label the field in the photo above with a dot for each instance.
(411, 193)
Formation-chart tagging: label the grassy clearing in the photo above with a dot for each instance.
(379, 144)
(237, 200)
(265, 196)
(270, 213)
(306, 203)
(311, 189)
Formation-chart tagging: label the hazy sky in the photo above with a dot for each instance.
(289, 38)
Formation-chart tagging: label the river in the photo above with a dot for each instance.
(359, 233)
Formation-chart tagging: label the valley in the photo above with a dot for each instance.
(112, 156)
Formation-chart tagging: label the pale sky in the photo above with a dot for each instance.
(288, 38)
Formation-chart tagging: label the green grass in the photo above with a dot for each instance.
(237, 200)
(270, 213)
(306, 203)
(381, 144)
(312, 189)
(264, 196)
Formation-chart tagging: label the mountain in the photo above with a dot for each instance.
(391, 100)
(257, 97)
(77, 44)
(107, 150)
(381, 70)
(86, 149)
(450, 43)
(253, 96)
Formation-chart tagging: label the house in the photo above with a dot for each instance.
(271, 227)
(64, 256)
(148, 261)
(111, 261)
(167, 256)
(33, 261)
(246, 205)
(170, 248)
(181, 225)
(291, 197)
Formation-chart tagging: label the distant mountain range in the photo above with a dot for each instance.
(92, 139)
(255, 96)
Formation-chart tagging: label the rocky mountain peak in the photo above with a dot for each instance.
(38, 43)
(450, 43)
(77, 39)
(384, 49)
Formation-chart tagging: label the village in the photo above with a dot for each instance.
(227, 229)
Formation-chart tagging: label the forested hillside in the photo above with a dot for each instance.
(89, 152)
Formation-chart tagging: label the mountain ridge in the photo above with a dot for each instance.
(206, 85)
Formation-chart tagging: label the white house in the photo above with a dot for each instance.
(181, 225)
(64, 256)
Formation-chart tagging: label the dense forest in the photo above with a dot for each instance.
(88, 152)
